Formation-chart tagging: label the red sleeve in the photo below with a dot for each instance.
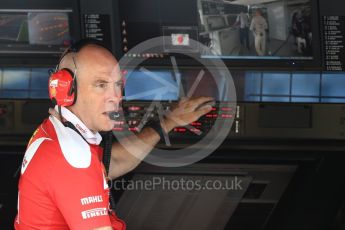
(79, 194)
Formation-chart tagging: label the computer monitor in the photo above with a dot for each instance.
(35, 31)
(252, 34)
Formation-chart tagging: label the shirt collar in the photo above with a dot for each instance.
(89, 136)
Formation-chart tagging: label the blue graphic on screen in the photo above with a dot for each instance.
(24, 83)
(15, 83)
(252, 86)
(286, 87)
(305, 87)
(150, 85)
(333, 88)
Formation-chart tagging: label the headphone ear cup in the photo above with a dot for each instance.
(62, 87)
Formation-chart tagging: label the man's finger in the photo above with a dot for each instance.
(203, 110)
(200, 100)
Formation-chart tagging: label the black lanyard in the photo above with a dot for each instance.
(107, 142)
(107, 139)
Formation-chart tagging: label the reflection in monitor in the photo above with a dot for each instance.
(34, 31)
(150, 85)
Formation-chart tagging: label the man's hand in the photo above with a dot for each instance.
(187, 111)
(125, 159)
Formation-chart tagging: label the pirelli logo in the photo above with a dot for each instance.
(94, 213)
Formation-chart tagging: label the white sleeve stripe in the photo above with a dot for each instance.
(30, 152)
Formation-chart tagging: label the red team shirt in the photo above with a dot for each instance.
(62, 183)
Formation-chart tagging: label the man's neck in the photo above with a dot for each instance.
(90, 136)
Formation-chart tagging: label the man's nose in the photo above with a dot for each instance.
(116, 94)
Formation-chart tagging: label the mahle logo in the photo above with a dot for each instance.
(208, 142)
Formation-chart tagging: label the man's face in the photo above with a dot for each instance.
(99, 92)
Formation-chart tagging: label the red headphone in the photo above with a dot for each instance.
(63, 87)
(62, 83)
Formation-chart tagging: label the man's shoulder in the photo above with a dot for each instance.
(39, 132)
(61, 146)
(42, 138)
(75, 150)
(39, 150)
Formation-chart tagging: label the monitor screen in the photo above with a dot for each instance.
(166, 85)
(149, 85)
(34, 31)
(208, 86)
(242, 33)
(260, 29)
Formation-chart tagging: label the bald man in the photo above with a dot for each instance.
(63, 181)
